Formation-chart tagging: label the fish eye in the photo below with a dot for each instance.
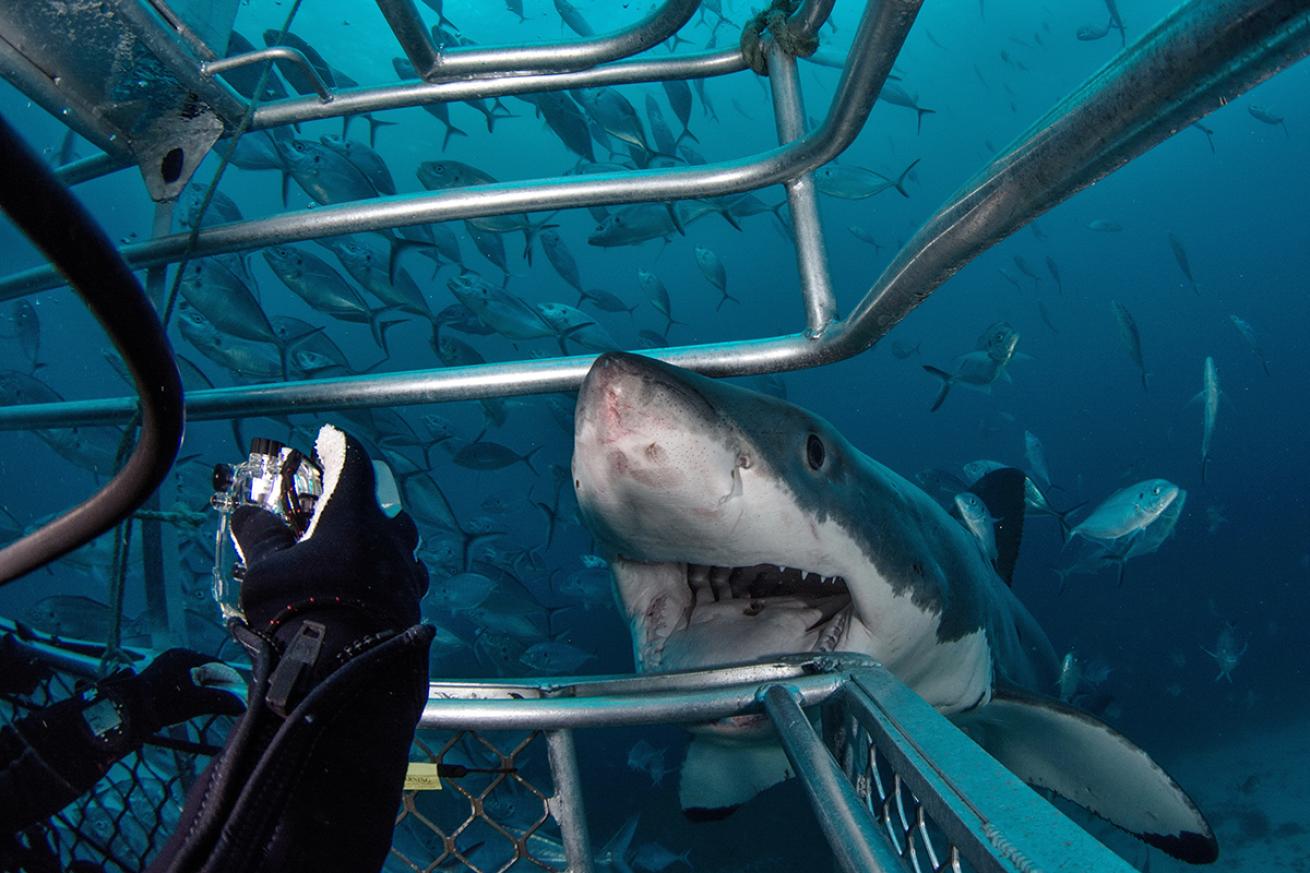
(815, 453)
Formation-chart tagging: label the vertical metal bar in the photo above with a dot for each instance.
(856, 842)
(405, 22)
(567, 802)
(802, 198)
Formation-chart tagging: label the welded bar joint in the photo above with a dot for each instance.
(567, 805)
(857, 844)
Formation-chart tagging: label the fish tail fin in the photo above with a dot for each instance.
(527, 459)
(921, 113)
(726, 212)
(399, 246)
(726, 297)
(380, 328)
(373, 125)
(451, 130)
(673, 216)
(947, 381)
(687, 134)
(900, 180)
(1062, 518)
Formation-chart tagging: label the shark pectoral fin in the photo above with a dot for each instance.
(720, 774)
(1051, 745)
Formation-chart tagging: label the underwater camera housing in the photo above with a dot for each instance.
(274, 477)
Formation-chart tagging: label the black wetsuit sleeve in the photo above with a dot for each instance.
(50, 757)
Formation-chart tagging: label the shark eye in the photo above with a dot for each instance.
(815, 452)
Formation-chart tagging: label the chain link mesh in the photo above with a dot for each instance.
(490, 815)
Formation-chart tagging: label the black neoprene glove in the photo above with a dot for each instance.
(179, 685)
(354, 566)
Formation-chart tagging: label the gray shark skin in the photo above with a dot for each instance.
(740, 526)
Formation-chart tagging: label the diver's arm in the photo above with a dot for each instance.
(53, 755)
(311, 777)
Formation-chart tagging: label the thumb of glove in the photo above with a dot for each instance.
(259, 533)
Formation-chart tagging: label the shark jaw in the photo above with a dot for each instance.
(688, 615)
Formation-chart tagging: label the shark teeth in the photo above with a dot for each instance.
(757, 585)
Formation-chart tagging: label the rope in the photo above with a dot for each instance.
(774, 20)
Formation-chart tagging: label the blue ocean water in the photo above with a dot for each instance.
(1233, 200)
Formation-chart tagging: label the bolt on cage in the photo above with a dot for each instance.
(885, 800)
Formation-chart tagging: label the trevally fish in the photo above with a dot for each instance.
(606, 301)
(481, 455)
(1180, 255)
(894, 92)
(1252, 342)
(557, 252)
(373, 270)
(569, 14)
(1265, 116)
(864, 236)
(571, 323)
(364, 159)
(1054, 270)
(857, 183)
(1130, 336)
(1035, 455)
(713, 270)
(27, 330)
(323, 174)
(679, 94)
(1209, 398)
(214, 288)
(1104, 225)
(313, 280)
(500, 310)
(981, 368)
(976, 517)
(1127, 511)
(246, 361)
(742, 484)
(658, 295)
(1226, 653)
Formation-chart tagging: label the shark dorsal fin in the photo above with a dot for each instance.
(1002, 491)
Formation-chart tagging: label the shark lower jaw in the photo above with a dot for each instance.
(687, 615)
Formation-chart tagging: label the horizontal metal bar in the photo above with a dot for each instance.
(435, 65)
(354, 101)
(93, 167)
(210, 69)
(780, 669)
(856, 842)
(655, 707)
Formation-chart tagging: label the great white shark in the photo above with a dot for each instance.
(740, 526)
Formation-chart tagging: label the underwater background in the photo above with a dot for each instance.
(1204, 241)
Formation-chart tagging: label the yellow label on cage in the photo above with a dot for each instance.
(422, 776)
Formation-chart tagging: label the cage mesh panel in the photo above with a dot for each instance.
(487, 820)
(900, 815)
(123, 821)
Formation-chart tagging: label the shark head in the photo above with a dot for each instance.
(716, 556)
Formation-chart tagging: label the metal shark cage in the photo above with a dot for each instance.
(894, 785)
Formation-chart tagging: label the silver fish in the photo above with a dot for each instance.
(1130, 336)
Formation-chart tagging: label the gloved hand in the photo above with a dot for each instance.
(167, 692)
(354, 569)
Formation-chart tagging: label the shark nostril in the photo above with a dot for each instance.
(744, 461)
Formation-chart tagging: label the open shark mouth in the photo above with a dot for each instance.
(704, 615)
